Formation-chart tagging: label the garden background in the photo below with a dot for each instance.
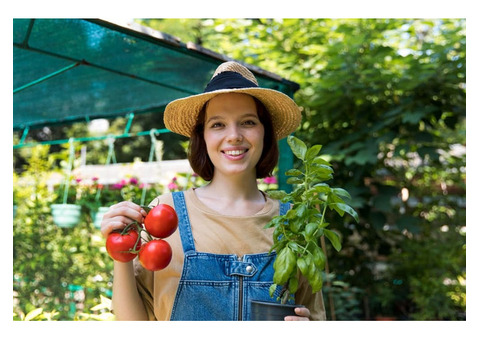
(387, 100)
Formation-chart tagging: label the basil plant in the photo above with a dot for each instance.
(298, 234)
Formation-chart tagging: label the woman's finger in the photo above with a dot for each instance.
(120, 215)
(302, 314)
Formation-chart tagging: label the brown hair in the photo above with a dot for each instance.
(203, 166)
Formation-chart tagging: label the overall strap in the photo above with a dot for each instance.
(183, 222)
(284, 207)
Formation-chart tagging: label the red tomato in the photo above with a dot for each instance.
(161, 221)
(119, 246)
(155, 255)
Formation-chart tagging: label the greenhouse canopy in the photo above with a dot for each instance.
(70, 70)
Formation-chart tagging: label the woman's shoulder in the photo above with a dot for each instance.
(165, 198)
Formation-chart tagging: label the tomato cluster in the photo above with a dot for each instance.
(154, 254)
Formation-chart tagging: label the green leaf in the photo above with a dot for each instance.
(294, 247)
(293, 172)
(283, 266)
(272, 289)
(301, 210)
(321, 188)
(316, 281)
(276, 194)
(312, 152)
(291, 214)
(293, 284)
(294, 180)
(320, 160)
(275, 221)
(334, 239)
(310, 230)
(310, 271)
(319, 258)
(303, 266)
(321, 169)
(298, 147)
(342, 207)
(341, 192)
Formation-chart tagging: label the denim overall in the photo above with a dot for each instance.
(218, 286)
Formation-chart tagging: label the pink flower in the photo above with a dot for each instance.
(172, 186)
(270, 180)
(119, 185)
(133, 181)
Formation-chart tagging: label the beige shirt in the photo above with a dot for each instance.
(219, 234)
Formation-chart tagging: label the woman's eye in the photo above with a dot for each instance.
(216, 125)
(249, 122)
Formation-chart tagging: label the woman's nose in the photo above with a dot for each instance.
(234, 134)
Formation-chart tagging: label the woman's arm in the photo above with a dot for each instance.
(126, 301)
(127, 304)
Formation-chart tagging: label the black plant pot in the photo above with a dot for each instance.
(270, 311)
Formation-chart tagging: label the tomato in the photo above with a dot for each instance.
(161, 221)
(155, 255)
(119, 246)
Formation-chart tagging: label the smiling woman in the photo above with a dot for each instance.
(254, 116)
(220, 254)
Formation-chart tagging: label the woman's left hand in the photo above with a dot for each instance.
(303, 314)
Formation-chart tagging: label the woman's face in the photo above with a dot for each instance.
(233, 134)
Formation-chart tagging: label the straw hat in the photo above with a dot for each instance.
(180, 115)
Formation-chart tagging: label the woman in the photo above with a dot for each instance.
(220, 252)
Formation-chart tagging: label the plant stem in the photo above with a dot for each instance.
(323, 212)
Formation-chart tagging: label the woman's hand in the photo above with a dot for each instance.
(303, 314)
(120, 215)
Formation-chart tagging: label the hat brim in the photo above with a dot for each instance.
(180, 115)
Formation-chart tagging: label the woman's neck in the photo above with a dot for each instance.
(232, 195)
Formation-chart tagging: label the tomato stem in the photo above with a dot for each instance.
(138, 227)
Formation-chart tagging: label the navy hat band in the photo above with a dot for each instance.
(228, 80)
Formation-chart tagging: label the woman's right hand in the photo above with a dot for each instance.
(126, 300)
(120, 215)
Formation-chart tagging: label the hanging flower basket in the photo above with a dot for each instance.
(98, 216)
(66, 215)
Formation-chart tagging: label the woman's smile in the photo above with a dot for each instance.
(235, 153)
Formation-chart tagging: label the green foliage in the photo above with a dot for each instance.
(49, 262)
(297, 235)
(342, 301)
(100, 312)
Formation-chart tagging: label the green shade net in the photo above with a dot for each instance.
(67, 70)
